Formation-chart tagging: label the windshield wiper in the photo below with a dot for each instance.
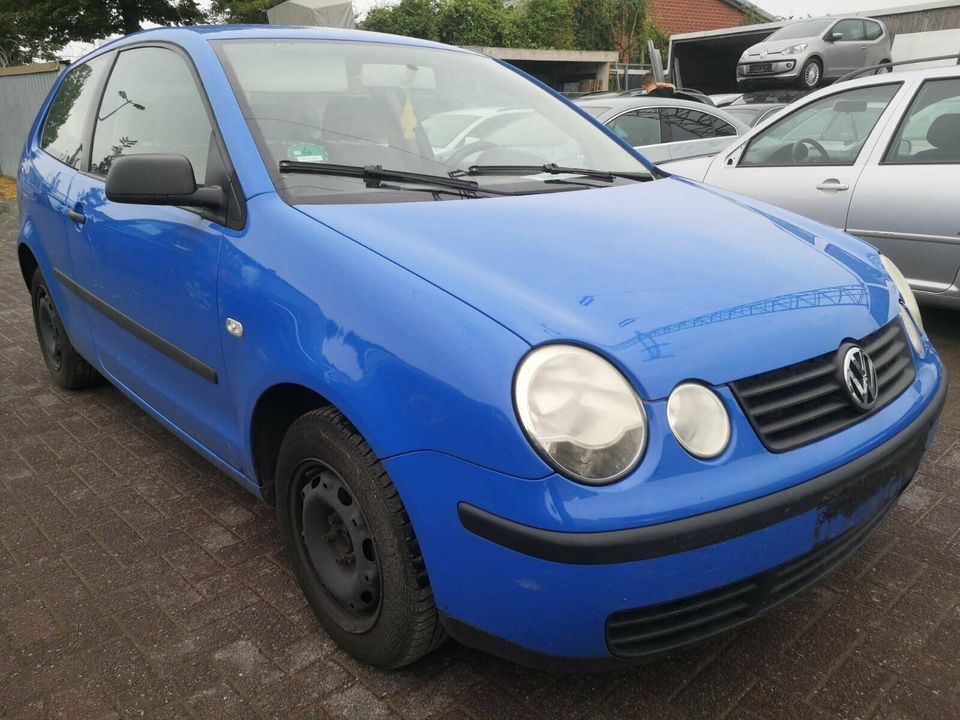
(375, 175)
(549, 169)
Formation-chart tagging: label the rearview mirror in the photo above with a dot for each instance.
(158, 179)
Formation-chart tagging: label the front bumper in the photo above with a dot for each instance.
(755, 69)
(553, 593)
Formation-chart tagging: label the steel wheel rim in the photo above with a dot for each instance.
(48, 328)
(338, 547)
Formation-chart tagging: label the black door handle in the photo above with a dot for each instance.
(77, 217)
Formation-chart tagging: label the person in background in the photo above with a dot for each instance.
(657, 89)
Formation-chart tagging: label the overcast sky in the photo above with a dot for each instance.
(790, 8)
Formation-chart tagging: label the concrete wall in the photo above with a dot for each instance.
(22, 90)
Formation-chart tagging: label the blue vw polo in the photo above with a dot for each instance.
(521, 388)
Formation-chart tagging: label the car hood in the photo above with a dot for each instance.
(671, 279)
(776, 46)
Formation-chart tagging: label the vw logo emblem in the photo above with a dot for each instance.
(763, 54)
(860, 377)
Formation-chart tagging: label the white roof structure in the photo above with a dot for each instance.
(316, 13)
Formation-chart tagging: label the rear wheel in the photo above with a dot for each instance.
(68, 369)
(352, 545)
(811, 74)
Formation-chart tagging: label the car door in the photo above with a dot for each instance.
(848, 52)
(148, 274)
(46, 173)
(807, 160)
(642, 129)
(693, 132)
(905, 200)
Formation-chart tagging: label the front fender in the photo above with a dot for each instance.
(411, 366)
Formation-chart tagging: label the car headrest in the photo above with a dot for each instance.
(358, 118)
(944, 132)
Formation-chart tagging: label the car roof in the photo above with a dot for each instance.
(896, 74)
(273, 32)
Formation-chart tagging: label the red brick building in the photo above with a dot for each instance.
(683, 16)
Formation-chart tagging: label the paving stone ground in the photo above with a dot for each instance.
(136, 580)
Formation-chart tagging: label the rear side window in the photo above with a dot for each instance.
(151, 104)
(686, 124)
(62, 134)
(873, 30)
(638, 128)
(930, 131)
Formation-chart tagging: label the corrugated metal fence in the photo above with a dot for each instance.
(22, 89)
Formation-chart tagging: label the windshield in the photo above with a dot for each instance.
(805, 29)
(409, 109)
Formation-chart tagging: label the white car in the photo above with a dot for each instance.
(877, 156)
(451, 130)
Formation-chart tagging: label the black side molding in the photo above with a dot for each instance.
(618, 546)
(139, 331)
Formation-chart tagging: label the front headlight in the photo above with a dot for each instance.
(580, 413)
(795, 49)
(909, 299)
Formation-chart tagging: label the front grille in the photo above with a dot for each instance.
(802, 403)
(660, 628)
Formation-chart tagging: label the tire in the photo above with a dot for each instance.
(68, 369)
(352, 545)
(811, 75)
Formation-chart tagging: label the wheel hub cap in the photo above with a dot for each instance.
(340, 546)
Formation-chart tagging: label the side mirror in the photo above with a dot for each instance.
(158, 179)
(834, 37)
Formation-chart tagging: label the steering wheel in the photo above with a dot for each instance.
(475, 147)
(801, 153)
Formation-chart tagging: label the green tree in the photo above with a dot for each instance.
(413, 18)
(241, 11)
(593, 24)
(542, 24)
(471, 22)
(39, 29)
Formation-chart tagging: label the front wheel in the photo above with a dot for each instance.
(351, 543)
(810, 75)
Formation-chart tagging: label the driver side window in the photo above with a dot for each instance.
(830, 131)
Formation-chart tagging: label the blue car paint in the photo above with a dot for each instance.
(411, 318)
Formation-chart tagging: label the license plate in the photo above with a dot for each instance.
(760, 68)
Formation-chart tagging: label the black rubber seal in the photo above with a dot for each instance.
(669, 538)
(139, 331)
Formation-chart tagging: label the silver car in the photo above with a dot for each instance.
(807, 52)
(666, 129)
(878, 157)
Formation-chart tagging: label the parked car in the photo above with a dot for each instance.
(807, 52)
(753, 115)
(664, 128)
(681, 93)
(877, 156)
(548, 400)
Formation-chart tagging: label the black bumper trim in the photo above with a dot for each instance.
(677, 536)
